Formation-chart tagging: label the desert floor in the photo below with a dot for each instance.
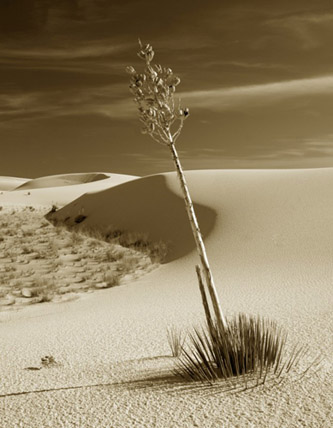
(269, 238)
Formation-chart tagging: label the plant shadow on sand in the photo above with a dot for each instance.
(159, 376)
(145, 206)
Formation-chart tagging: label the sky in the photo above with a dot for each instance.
(257, 77)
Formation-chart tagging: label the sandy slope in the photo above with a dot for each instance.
(10, 183)
(269, 236)
(63, 180)
(60, 189)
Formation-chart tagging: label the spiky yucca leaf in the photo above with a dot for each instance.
(246, 346)
(176, 341)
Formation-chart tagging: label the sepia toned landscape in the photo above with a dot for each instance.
(166, 238)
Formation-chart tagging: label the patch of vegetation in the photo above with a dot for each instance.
(246, 348)
(41, 262)
(156, 251)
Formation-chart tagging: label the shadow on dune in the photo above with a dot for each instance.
(145, 206)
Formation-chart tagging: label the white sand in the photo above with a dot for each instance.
(59, 189)
(10, 183)
(64, 180)
(269, 237)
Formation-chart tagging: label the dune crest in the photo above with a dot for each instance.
(260, 217)
(10, 183)
(59, 189)
(147, 206)
(63, 180)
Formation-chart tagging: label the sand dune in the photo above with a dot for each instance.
(147, 205)
(269, 237)
(10, 183)
(60, 189)
(259, 218)
(63, 180)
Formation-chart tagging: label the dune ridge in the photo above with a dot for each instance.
(60, 189)
(10, 183)
(254, 214)
(63, 180)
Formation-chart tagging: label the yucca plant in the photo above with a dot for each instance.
(244, 346)
(248, 348)
(162, 119)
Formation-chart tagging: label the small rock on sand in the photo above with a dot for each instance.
(102, 285)
(26, 292)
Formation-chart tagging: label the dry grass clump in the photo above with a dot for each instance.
(156, 251)
(140, 242)
(247, 347)
(176, 340)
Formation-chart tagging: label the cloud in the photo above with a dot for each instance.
(112, 100)
(249, 96)
(88, 50)
(105, 101)
(307, 27)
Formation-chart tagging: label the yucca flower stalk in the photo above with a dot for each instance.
(162, 118)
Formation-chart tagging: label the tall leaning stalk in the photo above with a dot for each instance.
(154, 90)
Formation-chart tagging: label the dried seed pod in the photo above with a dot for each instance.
(150, 56)
(142, 55)
(130, 70)
(176, 81)
(147, 48)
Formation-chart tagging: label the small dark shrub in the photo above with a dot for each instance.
(110, 235)
(80, 218)
(48, 361)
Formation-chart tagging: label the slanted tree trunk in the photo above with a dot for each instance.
(198, 237)
(204, 299)
(154, 94)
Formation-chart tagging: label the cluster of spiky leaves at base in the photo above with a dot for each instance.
(247, 346)
(154, 90)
